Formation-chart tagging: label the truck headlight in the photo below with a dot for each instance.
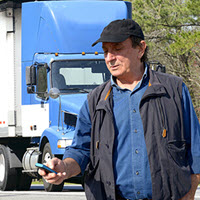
(61, 144)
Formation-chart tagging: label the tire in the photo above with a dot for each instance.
(23, 181)
(46, 156)
(8, 176)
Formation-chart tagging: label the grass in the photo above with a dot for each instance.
(35, 181)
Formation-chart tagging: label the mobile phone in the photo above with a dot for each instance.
(44, 167)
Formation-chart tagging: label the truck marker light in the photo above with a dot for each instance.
(4, 122)
(0, 122)
(83, 53)
(56, 54)
(31, 128)
(96, 53)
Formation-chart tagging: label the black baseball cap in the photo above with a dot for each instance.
(119, 31)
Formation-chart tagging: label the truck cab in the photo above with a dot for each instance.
(57, 68)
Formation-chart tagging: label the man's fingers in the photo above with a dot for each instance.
(49, 176)
(57, 165)
(41, 172)
(51, 163)
(55, 178)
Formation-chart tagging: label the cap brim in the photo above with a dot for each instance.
(117, 38)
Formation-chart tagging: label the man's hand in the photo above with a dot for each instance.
(195, 178)
(65, 168)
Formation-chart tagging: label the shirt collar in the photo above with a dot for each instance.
(145, 75)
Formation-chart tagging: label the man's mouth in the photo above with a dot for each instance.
(113, 66)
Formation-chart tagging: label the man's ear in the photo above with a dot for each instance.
(142, 48)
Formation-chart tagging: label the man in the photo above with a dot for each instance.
(138, 133)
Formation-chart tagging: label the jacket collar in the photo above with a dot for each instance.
(155, 87)
(105, 101)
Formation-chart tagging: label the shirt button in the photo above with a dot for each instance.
(136, 151)
(135, 130)
(137, 173)
(138, 192)
(134, 110)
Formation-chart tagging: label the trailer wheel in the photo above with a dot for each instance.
(46, 156)
(8, 176)
(23, 181)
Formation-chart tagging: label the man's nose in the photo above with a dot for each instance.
(110, 56)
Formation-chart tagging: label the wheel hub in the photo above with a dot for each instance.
(47, 157)
(2, 167)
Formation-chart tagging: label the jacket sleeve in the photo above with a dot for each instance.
(192, 131)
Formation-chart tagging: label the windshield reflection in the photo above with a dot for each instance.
(77, 76)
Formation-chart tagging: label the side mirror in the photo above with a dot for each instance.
(161, 68)
(157, 66)
(30, 75)
(30, 79)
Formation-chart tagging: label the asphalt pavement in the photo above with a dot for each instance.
(70, 192)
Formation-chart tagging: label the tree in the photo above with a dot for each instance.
(172, 32)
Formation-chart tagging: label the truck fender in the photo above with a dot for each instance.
(15, 162)
(51, 136)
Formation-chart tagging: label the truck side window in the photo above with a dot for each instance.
(41, 86)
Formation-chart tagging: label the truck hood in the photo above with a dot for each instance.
(73, 102)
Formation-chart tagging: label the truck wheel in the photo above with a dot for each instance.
(23, 181)
(46, 156)
(8, 176)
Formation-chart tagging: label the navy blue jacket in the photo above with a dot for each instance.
(161, 113)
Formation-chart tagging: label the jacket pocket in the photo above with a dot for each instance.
(93, 185)
(178, 152)
(91, 168)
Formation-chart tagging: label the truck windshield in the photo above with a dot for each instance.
(72, 76)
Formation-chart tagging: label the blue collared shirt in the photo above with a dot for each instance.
(130, 161)
(130, 178)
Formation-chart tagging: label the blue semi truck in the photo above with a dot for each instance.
(47, 69)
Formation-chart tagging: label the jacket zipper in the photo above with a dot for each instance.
(164, 133)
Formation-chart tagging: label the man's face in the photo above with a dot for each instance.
(121, 58)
